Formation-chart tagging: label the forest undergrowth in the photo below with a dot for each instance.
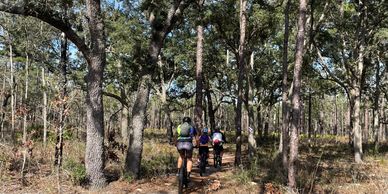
(325, 166)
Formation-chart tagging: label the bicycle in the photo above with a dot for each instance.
(182, 178)
(217, 157)
(202, 164)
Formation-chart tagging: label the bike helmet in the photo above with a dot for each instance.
(186, 120)
(205, 130)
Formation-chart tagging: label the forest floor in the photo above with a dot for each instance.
(325, 166)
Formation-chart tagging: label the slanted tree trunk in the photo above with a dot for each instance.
(135, 149)
(158, 34)
(240, 83)
(294, 140)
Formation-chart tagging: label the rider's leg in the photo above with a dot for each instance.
(189, 164)
(180, 161)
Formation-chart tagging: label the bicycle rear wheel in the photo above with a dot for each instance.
(202, 164)
(181, 180)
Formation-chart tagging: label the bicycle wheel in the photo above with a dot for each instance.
(185, 182)
(181, 180)
(182, 176)
(202, 164)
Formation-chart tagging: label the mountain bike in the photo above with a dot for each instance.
(182, 178)
(217, 157)
(202, 164)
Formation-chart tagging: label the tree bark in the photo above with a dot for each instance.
(124, 125)
(241, 72)
(310, 130)
(211, 112)
(198, 75)
(158, 34)
(357, 86)
(25, 102)
(296, 95)
(12, 84)
(376, 98)
(63, 103)
(365, 137)
(96, 59)
(44, 108)
(135, 149)
(94, 156)
(283, 147)
(321, 115)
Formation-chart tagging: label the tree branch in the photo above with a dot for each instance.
(53, 18)
(117, 97)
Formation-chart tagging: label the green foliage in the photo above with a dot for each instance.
(76, 171)
(158, 165)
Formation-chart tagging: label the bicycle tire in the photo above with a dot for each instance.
(185, 182)
(202, 164)
(181, 180)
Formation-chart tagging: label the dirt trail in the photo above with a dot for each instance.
(214, 181)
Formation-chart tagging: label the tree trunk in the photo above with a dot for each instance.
(241, 72)
(211, 113)
(135, 149)
(198, 75)
(376, 98)
(283, 147)
(62, 105)
(310, 130)
(335, 116)
(12, 94)
(365, 137)
(94, 155)
(159, 32)
(296, 95)
(321, 115)
(357, 135)
(4, 102)
(349, 122)
(44, 108)
(357, 86)
(259, 124)
(25, 102)
(124, 125)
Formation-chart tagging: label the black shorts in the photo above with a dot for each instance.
(203, 149)
(218, 148)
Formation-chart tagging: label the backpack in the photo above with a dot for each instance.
(184, 130)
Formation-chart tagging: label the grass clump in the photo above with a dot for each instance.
(76, 171)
